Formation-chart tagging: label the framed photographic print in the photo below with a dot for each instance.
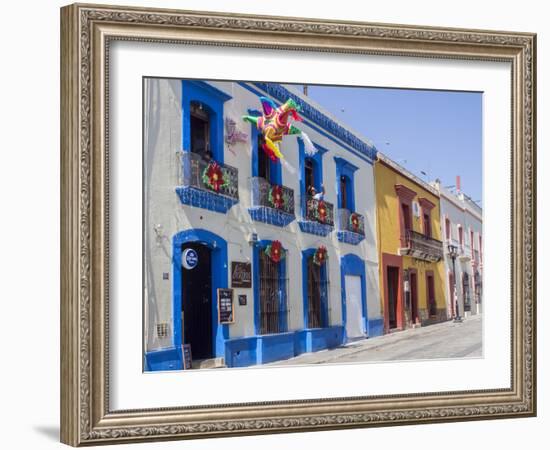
(335, 219)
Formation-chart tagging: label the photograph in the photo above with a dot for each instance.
(275, 224)
(295, 224)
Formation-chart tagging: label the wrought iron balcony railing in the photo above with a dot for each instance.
(277, 197)
(351, 221)
(420, 246)
(210, 176)
(319, 211)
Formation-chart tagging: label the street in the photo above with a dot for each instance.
(444, 340)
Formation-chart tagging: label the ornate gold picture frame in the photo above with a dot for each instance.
(87, 31)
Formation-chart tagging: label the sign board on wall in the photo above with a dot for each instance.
(225, 306)
(189, 258)
(241, 274)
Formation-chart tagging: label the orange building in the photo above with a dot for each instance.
(412, 282)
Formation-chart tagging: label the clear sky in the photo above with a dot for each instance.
(435, 132)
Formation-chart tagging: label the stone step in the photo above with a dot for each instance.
(210, 363)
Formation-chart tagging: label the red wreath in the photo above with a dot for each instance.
(213, 176)
(276, 196)
(275, 251)
(354, 221)
(320, 255)
(322, 211)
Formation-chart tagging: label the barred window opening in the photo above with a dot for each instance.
(272, 308)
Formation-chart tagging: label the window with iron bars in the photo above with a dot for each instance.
(317, 288)
(273, 310)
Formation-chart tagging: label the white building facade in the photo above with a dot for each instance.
(462, 229)
(200, 238)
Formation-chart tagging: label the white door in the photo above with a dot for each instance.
(354, 314)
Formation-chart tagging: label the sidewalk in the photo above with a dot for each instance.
(429, 336)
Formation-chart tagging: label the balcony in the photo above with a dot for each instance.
(318, 217)
(271, 203)
(463, 251)
(422, 247)
(351, 226)
(207, 184)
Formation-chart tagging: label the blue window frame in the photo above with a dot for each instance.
(345, 172)
(323, 318)
(281, 291)
(316, 162)
(212, 100)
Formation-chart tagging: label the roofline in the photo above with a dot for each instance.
(461, 204)
(401, 170)
(318, 115)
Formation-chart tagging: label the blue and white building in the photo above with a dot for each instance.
(193, 234)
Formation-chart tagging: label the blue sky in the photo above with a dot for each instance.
(436, 132)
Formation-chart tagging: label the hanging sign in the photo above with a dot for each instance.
(225, 306)
(189, 258)
(241, 274)
(187, 360)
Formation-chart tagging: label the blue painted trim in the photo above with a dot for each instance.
(190, 195)
(258, 247)
(251, 350)
(345, 169)
(375, 327)
(306, 254)
(315, 339)
(274, 167)
(241, 352)
(275, 347)
(316, 228)
(317, 161)
(213, 100)
(351, 264)
(165, 359)
(218, 246)
(270, 216)
(349, 237)
(357, 146)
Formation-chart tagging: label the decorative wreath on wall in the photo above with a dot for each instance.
(213, 177)
(321, 211)
(276, 197)
(320, 255)
(355, 221)
(275, 251)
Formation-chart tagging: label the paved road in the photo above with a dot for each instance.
(445, 340)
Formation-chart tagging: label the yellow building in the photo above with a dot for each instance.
(410, 249)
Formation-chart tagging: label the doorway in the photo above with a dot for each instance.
(414, 298)
(354, 310)
(196, 290)
(431, 294)
(393, 293)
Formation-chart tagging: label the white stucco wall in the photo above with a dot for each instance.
(461, 213)
(164, 211)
